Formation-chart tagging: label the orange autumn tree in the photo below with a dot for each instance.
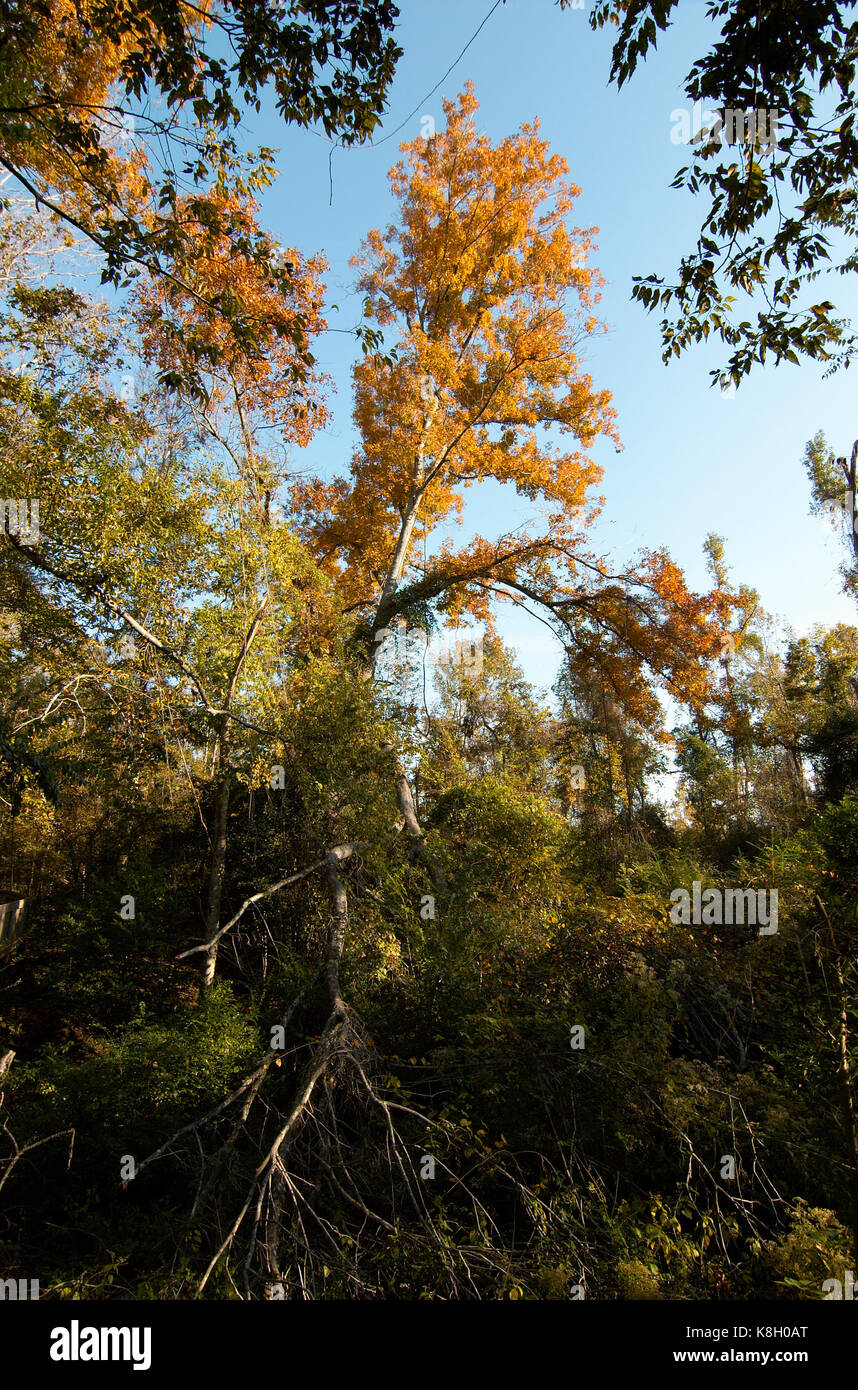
(115, 113)
(266, 375)
(484, 295)
(54, 62)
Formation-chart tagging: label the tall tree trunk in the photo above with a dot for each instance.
(217, 868)
(798, 772)
(385, 608)
(853, 485)
(847, 1105)
(224, 776)
(844, 1080)
(383, 613)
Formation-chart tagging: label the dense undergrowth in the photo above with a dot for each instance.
(547, 1080)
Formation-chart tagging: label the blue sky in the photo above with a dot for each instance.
(694, 460)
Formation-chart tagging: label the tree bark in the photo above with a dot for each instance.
(385, 609)
(217, 867)
(844, 1080)
(224, 772)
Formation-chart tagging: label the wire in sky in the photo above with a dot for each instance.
(374, 144)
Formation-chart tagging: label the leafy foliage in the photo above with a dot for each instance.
(781, 212)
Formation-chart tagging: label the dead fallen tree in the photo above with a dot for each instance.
(210, 947)
(17, 1151)
(314, 1156)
